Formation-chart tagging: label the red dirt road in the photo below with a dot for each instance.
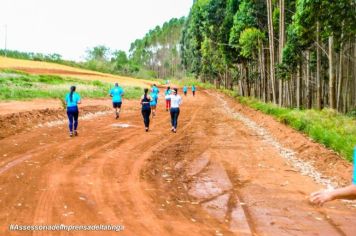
(215, 176)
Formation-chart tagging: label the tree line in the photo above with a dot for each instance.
(294, 53)
(156, 55)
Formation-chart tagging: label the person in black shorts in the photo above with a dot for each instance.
(116, 93)
(146, 108)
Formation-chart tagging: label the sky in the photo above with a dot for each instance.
(70, 27)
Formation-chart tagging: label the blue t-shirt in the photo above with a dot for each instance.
(154, 98)
(155, 90)
(167, 93)
(75, 100)
(116, 94)
(193, 88)
(185, 89)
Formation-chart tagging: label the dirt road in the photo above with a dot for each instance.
(226, 171)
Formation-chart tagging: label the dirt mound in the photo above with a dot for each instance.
(15, 123)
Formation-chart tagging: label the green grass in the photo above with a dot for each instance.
(191, 81)
(16, 85)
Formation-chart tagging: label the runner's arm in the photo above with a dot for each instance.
(320, 197)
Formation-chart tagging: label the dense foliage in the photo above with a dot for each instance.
(295, 53)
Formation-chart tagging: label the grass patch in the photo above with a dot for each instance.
(22, 86)
(191, 81)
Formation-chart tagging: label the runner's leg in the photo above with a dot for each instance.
(75, 116)
(70, 119)
(176, 119)
(172, 117)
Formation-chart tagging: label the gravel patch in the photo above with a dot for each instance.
(305, 168)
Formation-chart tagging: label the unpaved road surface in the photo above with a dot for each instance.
(218, 175)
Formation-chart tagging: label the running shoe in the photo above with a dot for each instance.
(75, 133)
(174, 131)
(146, 129)
(117, 115)
(70, 134)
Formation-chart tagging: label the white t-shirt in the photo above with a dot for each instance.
(176, 100)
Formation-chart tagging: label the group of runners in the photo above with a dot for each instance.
(173, 101)
(149, 101)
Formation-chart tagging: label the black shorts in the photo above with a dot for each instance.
(116, 104)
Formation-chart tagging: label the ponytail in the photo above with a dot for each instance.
(72, 90)
(145, 91)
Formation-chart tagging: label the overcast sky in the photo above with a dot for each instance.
(69, 27)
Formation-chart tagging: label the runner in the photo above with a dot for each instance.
(146, 109)
(168, 98)
(116, 93)
(185, 90)
(193, 90)
(176, 101)
(153, 102)
(72, 100)
(155, 89)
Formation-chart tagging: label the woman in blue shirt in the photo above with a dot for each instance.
(153, 102)
(168, 98)
(185, 90)
(72, 100)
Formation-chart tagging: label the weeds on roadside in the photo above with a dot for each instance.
(22, 86)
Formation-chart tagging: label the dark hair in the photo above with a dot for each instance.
(154, 84)
(72, 90)
(175, 90)
(145, 91)
(168, 88)
(116, 85)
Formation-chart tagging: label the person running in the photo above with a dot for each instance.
(155, 89)
(117, 93)
(153, 102)
(72, 99)
(168, 98)
(146, 108)
(185, 90)
(176, 101)
(193, 90)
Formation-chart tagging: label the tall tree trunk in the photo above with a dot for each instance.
(331, 73)
(299, 85)
(264, 74)
(318, 66)
(340, 79)
(281, 46)
(308, 78)
(271, 49)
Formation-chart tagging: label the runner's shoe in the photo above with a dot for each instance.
(146, 129)
(70, 134)
(75, 133)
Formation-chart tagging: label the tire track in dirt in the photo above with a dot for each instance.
(143, 181)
